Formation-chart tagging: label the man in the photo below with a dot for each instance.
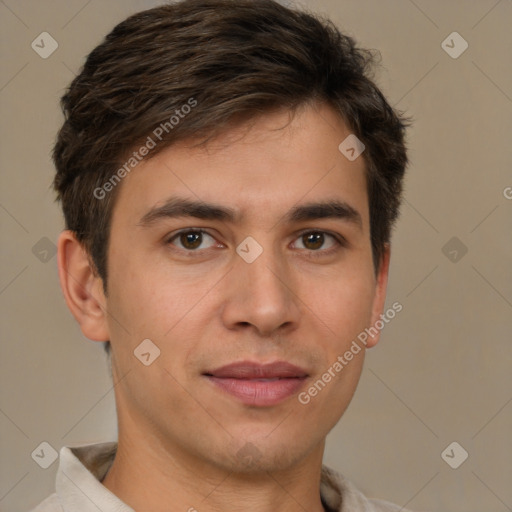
(229, 177)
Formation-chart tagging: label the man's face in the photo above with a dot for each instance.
(205, 305)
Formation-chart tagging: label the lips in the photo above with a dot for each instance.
(249, 370)
(256, 384)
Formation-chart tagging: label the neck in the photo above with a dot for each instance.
(151, 477)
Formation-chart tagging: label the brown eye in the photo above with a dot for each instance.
(315, 240)
(190, 240)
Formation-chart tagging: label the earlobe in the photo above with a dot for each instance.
(82, 288)
(380, 296)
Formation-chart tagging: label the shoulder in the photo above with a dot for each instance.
(50, 504)
(386, 506)
(341, 495)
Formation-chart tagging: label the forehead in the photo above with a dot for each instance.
(260, 169)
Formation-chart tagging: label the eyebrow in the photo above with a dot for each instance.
(176, 207)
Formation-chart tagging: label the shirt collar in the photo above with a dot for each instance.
(78, 483)
(82, 468)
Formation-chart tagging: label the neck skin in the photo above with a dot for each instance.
(146, 476)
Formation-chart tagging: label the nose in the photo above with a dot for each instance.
(261, 295)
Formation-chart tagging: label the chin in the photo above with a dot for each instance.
(263, 456)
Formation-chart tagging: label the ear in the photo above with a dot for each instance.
(82, 287)
(380, 295)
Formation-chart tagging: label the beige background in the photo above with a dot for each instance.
(442, 370)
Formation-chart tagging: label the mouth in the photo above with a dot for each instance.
(261, 385)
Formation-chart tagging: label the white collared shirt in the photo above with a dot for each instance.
(82, 468)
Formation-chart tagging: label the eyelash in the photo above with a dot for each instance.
(340, 242)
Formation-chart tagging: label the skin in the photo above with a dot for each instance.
(180, 436)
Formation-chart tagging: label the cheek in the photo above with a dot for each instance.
(343, 305)
(157, 304)
(138, 294)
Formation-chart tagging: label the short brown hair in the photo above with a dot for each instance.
(235, 59)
